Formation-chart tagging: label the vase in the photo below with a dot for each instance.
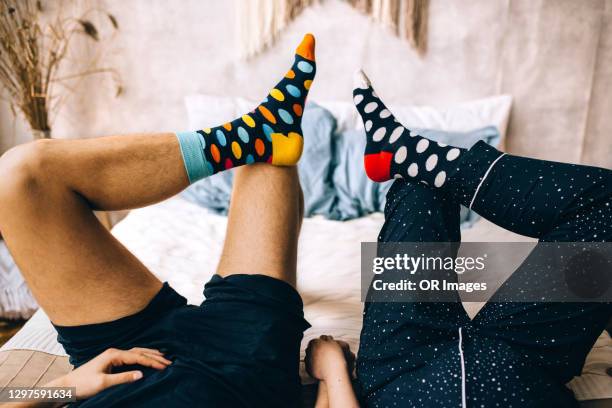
(41, 134)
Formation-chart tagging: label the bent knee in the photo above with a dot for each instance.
(24, 168)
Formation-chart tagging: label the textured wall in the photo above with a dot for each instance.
(551, 55)
(597, 143)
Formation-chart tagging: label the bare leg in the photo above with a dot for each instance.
(264, 223)
(78, 272)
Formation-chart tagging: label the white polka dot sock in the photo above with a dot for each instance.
(392, 151)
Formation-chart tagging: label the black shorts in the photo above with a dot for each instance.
(239, 348)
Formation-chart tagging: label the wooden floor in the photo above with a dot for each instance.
(8, 328)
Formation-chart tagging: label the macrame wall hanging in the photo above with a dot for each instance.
(260, 22)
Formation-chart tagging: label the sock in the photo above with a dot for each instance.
(392, 151)
(271, 133)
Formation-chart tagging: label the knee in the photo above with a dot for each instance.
(24, 168)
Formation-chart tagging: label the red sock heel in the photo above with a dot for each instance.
(378, 166)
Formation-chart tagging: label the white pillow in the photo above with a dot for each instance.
(463, 117)
(207, 111)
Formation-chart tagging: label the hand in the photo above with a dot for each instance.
(325, 357)
(95, 376)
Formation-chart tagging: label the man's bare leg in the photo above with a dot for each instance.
(78, 272)
(264, 223)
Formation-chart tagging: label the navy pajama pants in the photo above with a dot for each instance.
(514, 354)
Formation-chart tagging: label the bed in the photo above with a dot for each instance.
(180, 239)
(181, 242)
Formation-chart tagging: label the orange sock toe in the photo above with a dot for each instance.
(306, 49)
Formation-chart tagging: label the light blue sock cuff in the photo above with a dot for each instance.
(192, 148)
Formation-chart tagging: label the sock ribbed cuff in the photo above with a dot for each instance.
(192, 149)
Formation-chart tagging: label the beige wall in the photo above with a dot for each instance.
(553, 56)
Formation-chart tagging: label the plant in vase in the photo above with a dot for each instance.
(35, 55)
(38, 69)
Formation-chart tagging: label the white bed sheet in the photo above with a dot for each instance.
(181, 243)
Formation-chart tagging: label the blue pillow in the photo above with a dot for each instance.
(318, 125)
(466, 140)
(357, 195)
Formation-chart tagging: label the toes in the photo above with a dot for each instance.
(360, 80)
(306, 49)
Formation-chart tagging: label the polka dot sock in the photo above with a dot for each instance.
(271, 133)
(392, 151)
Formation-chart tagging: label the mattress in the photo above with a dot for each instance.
(181, 243)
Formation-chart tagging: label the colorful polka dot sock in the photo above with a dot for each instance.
(271, 133)
(392, 151)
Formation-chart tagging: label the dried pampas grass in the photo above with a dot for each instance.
(33, 48)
